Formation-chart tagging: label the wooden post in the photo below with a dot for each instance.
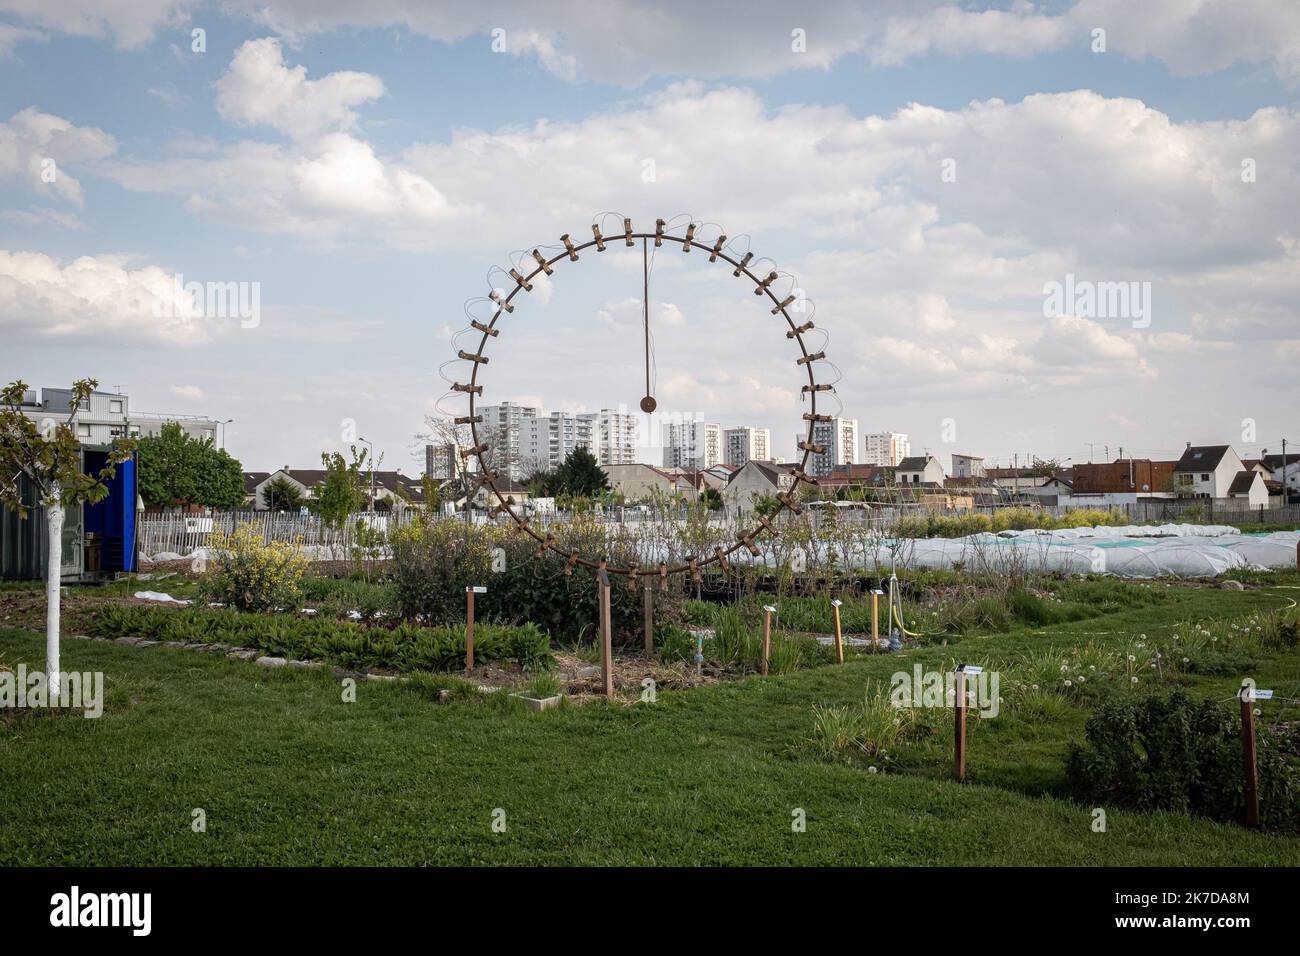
(1248, 757)
(875, 619)
(767, 636)
(959, 729)
(649, 617)
(469, 629)
(1297, 550)
(606, 634)
(839, 637)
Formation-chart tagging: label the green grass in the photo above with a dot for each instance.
(290, 774)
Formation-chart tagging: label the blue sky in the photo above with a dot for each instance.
(365, 169)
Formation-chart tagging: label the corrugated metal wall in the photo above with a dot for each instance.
(22, 541)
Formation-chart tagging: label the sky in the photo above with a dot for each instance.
(1056, 229)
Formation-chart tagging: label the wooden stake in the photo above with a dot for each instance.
(606, 635)
(959, 730)
(767, 637)
(839, 637)
(875, 620)
(649, 617)
(1248, 757)
(469, 629)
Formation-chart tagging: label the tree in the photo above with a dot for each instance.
(340, 494)
(50, 458)
(711, 498)
(281, 494)
(581, 476)
(177, 469)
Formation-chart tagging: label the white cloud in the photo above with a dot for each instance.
(94, 298)
(628, 43)
(38, 148)
(130, 23)
(260, 90)
(11, 36)
(189, 392)
(42, 216)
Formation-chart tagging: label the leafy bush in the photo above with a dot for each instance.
(1174, 753)
(405, 647)
(253, 574)
(433, 563)
(1280, 629)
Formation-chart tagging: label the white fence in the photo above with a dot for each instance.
(180, 534)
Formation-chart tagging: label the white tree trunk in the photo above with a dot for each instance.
(53, 582)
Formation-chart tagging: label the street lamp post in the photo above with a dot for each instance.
(223, 425)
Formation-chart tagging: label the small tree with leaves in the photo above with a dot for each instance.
(340, 494)
(49, 457)
(281, 494)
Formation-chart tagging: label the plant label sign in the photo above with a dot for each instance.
(971, 669)
(476, 590)
(1261, 694)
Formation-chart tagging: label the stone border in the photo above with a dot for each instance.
(241, 653)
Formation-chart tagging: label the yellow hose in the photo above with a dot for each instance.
(900, 624)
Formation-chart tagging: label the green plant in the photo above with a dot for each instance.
(405, 647)
(871, 730)
(542, 685)
(253, 574)
(1175, 753)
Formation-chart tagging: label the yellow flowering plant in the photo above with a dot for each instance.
(252, 574)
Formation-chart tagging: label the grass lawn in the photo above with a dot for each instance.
(288, 773)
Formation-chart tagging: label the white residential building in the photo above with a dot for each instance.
(502, 429)
(614, 436)
(746, 443)
(108, 415)
(692, 445)
(886, 448)
(839, 437)
(1206, 471)
(548, 438)
(967, 466)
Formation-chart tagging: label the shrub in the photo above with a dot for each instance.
(252, 574)
(433, 563)
(1280, 629)
(405, 647)
(1174, 753)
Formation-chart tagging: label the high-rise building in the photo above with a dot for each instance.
(745, 443)
(614, 436)
(694, 444)
(885, 448)
(548, 438)
(502, 429)
(839, 437)
(440, 460)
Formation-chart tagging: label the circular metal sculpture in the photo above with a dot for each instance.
(744, 267)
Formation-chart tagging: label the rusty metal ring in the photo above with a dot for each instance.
(569, 253)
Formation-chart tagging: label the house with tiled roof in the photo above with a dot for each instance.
(1206, 471)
